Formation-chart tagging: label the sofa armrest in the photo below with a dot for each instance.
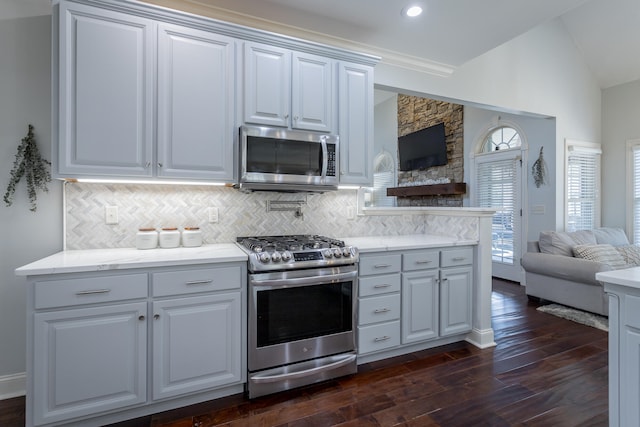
(563, 267)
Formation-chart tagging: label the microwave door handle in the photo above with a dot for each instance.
(325, 159)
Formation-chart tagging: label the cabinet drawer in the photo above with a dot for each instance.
(378, 337)
(378, 309)
(631, 310)
(453, 257)
(379, 264)
(196, 280)
(382, 284)
(90, 290)
(420, 260)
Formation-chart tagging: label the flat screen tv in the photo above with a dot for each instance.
(423, 149)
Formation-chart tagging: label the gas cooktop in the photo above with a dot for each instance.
(271, 253)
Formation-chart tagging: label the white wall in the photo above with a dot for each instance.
(620, 122)
(25, 98)
(539, 72)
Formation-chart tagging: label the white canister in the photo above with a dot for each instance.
(146, 238)
(191, 237)
(169, 237)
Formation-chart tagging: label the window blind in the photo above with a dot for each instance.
(583, 188)
(635, 183)
(496, 187)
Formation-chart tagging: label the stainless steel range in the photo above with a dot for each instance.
(302, 311)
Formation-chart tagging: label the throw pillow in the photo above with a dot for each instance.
(604, 253)
(611, 235)
(630, 254)
(561, 243)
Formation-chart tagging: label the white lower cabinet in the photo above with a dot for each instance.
(188, 357)
(105, 347)
(89, 360)
(434, 291)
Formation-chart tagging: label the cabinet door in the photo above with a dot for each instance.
(455, 300)
(313, 93)
(355, 102)
(267, 85)
(196, 344)
(105, 93)
(419, 306)
(196, 89)
(89, 360)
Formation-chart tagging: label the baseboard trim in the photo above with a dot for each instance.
(13, 385)
(481, 338)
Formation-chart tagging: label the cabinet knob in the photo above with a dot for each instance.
(147, 165)
(295, 118)
(141, 317)
(156, 316)
(159, 164)
(286, 116)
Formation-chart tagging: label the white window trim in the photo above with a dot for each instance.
(631, 145)
(585, 147)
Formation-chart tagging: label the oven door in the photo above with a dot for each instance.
(301, 315)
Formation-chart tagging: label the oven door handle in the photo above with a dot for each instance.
(259, 378)
(304, 281)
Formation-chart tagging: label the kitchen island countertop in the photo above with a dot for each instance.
(404, 242)
(75, 261)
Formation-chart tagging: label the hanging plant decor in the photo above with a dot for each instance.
(539, 170)
(30, 164)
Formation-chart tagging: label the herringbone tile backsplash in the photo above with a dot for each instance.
(240, 214)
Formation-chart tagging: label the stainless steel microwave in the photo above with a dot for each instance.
(288, 160)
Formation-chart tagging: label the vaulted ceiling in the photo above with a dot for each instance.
(447, 35)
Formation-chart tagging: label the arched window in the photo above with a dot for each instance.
(502, 138)
(384, 176)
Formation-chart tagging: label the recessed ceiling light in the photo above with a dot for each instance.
(412, 11)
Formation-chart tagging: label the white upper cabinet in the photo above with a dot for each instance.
(356, 123)
(288, 89)
(196, 83)
(313, 92)
(105, 92)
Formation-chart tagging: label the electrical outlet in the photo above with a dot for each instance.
(213, 214)
(111, 214)
(351, 212)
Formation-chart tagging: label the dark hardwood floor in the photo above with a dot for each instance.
(544, 371)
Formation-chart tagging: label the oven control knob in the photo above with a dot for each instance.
(327, 253)
(337, 253)
(346, 252)
(276, 257)
(286, 256)
(264, 257)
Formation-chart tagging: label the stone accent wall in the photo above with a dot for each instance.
(416, 113)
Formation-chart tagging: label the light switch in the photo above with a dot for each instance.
(111, 214)
(213, 214)
(537, 209)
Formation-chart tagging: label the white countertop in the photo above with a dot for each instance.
(404, 242)
(125, 258)
(118, 259)
(628, 277)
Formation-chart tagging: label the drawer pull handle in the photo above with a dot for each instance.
(382, 266)
(380, 339)
(424, 262)
(156, 316)
(458, 258)
(141, 317)
(386, 285)
(381, 310)
(92, 292)
(198, 282)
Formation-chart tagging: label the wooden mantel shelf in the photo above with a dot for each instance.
(429, 190)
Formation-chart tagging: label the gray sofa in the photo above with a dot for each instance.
(561, 267)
